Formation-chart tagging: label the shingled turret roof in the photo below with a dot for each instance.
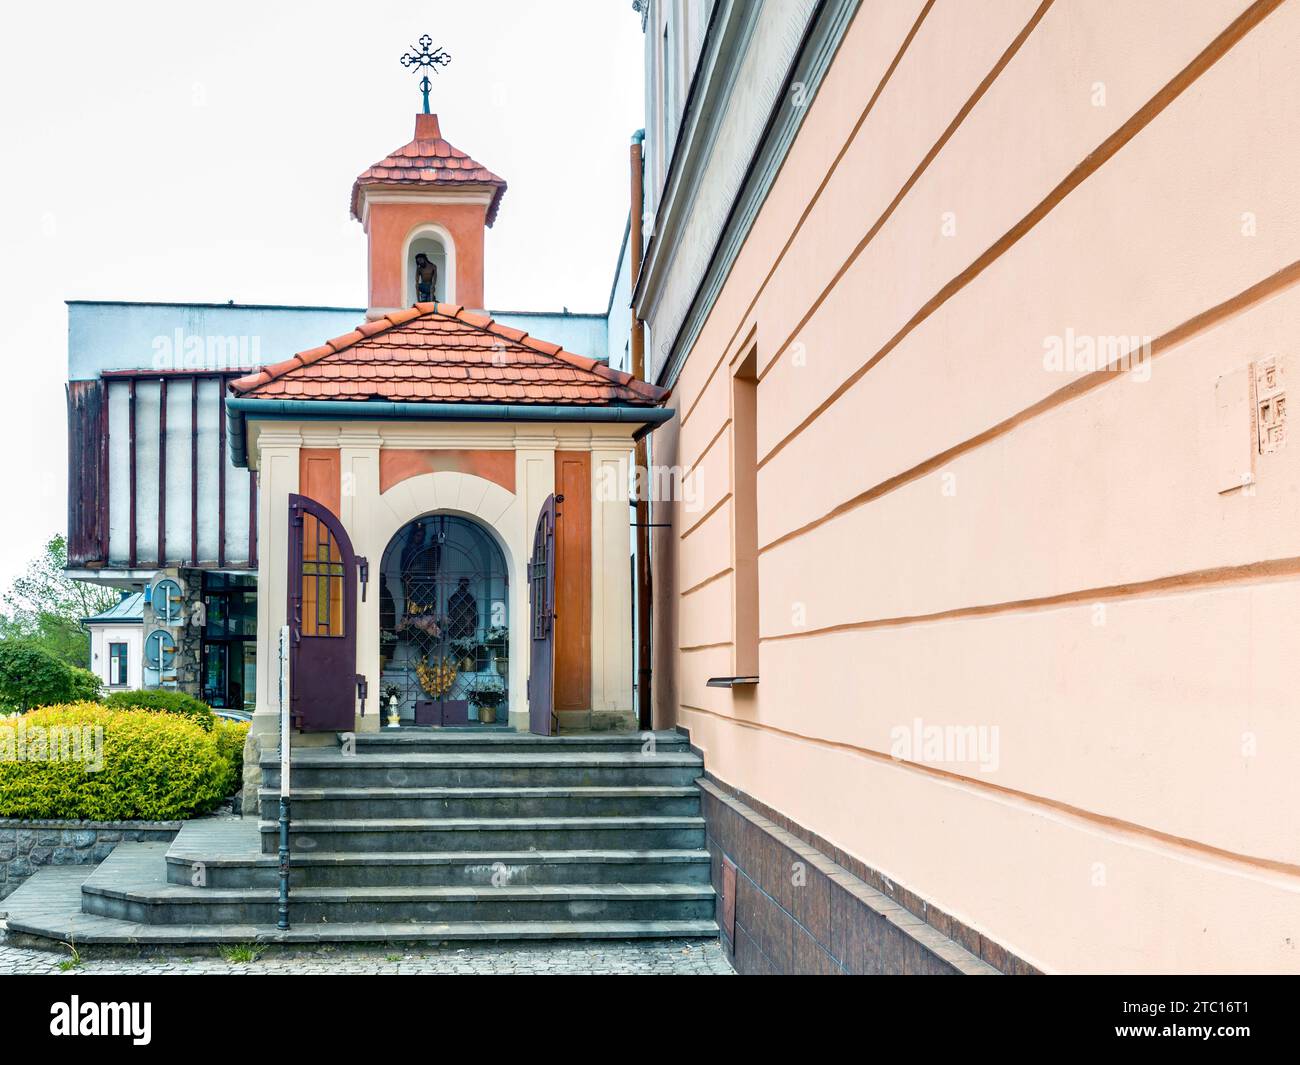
(428, 161)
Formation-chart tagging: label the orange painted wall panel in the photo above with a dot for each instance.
(390, 225)
(396, 465)
(318, 476)
(573, 581)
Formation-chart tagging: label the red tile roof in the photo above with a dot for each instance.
(430, 161)
(441, 353)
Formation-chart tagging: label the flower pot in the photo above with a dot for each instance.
(503, 666)
(487, 715)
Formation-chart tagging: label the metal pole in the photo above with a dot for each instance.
(644, 574)
(283, 922)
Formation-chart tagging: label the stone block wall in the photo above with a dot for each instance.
(26, 846)
(187, 634)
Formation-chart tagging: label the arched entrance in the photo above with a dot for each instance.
(444, 624)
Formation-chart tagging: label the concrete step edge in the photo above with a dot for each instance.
(325, 758)
(169, 894)
(107, 931)
(665, 856)
(631, 791)
(485, 824)
(503, 738)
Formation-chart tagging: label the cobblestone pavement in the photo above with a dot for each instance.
(657, 957)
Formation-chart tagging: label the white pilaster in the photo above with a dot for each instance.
(611, 580)
(358, 492)
(534, 481)
(277, 480)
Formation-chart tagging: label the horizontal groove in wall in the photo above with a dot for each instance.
(705, 516)
(1090, 165)
(1195, 581)
(980, 90)
(813, 201)
(704, 646)
(1233, 863)
(706, 582)
(695, 462)
(1208, 319)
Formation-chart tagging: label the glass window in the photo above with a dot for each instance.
(214, 674)
(229, 656)
(117, 665)
(214, 616)
(322, 580)
(444, 625)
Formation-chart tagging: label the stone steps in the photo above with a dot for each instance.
(493, 833)
(324, 767)
(429, 868)
(169, 904)
(315, 804)
(409, 740)
(46, 911)
(420, 836)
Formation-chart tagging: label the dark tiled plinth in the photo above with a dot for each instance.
(784, 907)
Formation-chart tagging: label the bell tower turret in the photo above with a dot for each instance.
(424, 209)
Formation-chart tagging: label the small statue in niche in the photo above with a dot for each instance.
(462, 611)
(426, 278)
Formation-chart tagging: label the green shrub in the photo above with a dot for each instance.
(167, 702)
(230, 736)
(31, 676)
(84, 688)
(154, 766)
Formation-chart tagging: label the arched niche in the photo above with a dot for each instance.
(444, 591)
(434, 241)
(497, 511)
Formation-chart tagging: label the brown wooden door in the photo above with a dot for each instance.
(573, 582)
(322, 619)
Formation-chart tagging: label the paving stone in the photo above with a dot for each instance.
(661, 957)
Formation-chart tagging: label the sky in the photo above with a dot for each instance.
(206, 152)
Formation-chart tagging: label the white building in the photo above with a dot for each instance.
(116, 643)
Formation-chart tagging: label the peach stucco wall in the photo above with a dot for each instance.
(391, 224)
(952, 531)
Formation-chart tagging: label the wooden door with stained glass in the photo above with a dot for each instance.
(322, 608)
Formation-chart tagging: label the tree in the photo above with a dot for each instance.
(44, 606)
(31, 676)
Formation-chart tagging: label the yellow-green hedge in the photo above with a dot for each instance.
(230, 736)
(156, 767)
(167, 702)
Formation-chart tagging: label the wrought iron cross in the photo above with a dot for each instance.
(426, 60)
